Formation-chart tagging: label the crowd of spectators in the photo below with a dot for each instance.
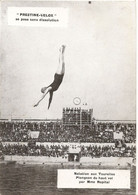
(76, 116)
(62, 151)
(15, 131)
(34, 150)
(108, 151)
(71, 116)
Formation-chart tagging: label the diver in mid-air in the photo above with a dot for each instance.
(58, 77)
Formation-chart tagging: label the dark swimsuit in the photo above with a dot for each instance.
(57, 81)
(55, 85)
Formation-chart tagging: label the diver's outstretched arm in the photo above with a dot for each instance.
(43, 96)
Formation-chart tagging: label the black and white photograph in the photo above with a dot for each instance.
(67, 97)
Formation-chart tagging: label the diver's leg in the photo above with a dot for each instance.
(61, 66)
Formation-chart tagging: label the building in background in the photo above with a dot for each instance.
(77, 116)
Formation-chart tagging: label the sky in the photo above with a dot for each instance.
(99, 61)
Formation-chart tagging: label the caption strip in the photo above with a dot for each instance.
(38, 16)
(82, 178)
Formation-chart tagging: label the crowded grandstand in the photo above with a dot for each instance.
(52, 138)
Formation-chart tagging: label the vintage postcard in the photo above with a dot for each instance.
(68, 97)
